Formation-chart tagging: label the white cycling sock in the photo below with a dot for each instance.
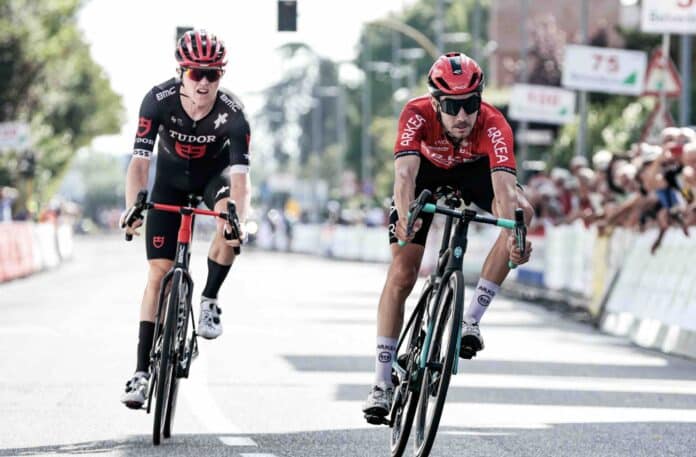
(386, 347)
(483, 296)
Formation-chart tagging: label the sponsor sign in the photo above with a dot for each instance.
(551, 105)
(14, 136)
(614, 71)
(536, 137)
(668, 16)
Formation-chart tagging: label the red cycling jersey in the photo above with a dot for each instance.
(421, 133)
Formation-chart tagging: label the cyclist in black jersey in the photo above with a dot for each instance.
(203, 149)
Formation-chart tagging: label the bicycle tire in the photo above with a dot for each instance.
(181, 343)
(166, 362)
(403, 418)
(435, 381)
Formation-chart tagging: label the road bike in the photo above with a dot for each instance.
(174, 348)
(428, 348)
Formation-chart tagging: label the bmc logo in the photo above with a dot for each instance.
(189, 151)
(165, 93)
(158, 241)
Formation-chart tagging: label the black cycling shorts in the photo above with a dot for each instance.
(162, 228)
(473, 180)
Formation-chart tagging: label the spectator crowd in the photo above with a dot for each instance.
(648, 185)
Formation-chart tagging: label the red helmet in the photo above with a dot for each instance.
(455, 73)
(200, 49)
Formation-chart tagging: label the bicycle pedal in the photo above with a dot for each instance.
(467, 352)
(376, 420)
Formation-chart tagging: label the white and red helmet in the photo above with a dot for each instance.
(455, 73)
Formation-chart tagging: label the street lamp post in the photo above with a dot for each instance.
(366, 138)
(317, 146)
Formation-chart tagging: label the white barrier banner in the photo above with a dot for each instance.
(660, 287)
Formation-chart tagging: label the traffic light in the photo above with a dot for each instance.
(287, 15)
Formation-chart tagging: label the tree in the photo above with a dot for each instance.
(48, 79)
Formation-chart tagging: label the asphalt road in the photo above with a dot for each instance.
(288, 376)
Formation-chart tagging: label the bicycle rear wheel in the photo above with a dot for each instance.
(406, 389)
(442, 355)
(167, 361)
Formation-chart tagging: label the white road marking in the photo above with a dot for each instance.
(258, 455)
(201, 402)
(238, 441)
(28, 330)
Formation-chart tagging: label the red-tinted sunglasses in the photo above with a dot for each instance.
(197, 74)
(452, 106)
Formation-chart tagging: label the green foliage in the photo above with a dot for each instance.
(48, 79)
(287, 113)
(612, 125)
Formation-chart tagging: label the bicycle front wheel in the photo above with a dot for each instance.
(406, 387)
(180, 344)
(442, 355)
(167, 361)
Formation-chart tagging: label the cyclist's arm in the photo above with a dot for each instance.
(405, 172)
(240, 183)
(240, 192)
(498, 142)
(505, 191)
(136, 179)
(143, 145)
(410, 132)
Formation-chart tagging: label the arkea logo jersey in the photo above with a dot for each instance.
(421, 133)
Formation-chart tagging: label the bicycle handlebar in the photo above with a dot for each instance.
(414, 210)
(420, 205)
(136, 212)
(141, 204)
(520, 235)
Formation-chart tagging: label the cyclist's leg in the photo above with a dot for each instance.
(220, 256)
(478, 188)
(160, 239)
(495, 268)
(220, 259)
(401, 277)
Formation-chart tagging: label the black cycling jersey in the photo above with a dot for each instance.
(191, 152)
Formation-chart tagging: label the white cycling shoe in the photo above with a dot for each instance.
(472, 341)
(209, 324)
(379, 401)
(136, 390)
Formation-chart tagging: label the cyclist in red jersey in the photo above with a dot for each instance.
(449, 137)
(203, 149)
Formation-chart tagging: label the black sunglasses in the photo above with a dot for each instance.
(452, 106)
(197, 74)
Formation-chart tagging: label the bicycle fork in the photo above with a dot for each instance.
(188, 349)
